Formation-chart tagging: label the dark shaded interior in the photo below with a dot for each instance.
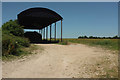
(33, 36)
(38, 18)
(36, 37)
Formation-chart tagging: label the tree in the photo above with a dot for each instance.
(82, 37)
(115, 37)
(85, 37)
(13, 27)
(90, 37)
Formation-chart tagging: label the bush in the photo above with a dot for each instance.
(13, 27)
(64, 43)
(13, 39)
(11, 44)
(22, 41)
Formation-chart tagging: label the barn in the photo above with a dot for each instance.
(40, 18)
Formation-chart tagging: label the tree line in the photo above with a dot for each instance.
(93, 37)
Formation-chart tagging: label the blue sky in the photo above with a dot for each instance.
(80, 18)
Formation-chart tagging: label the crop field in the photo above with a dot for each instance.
(111, 44)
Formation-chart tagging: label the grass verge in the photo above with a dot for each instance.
(23, 51)
(111, 44)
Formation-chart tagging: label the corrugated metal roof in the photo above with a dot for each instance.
(37, 18)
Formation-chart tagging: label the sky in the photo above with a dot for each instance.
(79, 18)
(60, 0)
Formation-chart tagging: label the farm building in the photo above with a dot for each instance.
(40, 19)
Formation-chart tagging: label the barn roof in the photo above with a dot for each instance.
(37, 18)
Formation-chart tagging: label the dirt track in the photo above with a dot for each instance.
(62, 61)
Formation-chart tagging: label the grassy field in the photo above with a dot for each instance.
(111, 44)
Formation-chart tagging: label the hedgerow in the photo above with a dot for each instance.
(13, 38)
